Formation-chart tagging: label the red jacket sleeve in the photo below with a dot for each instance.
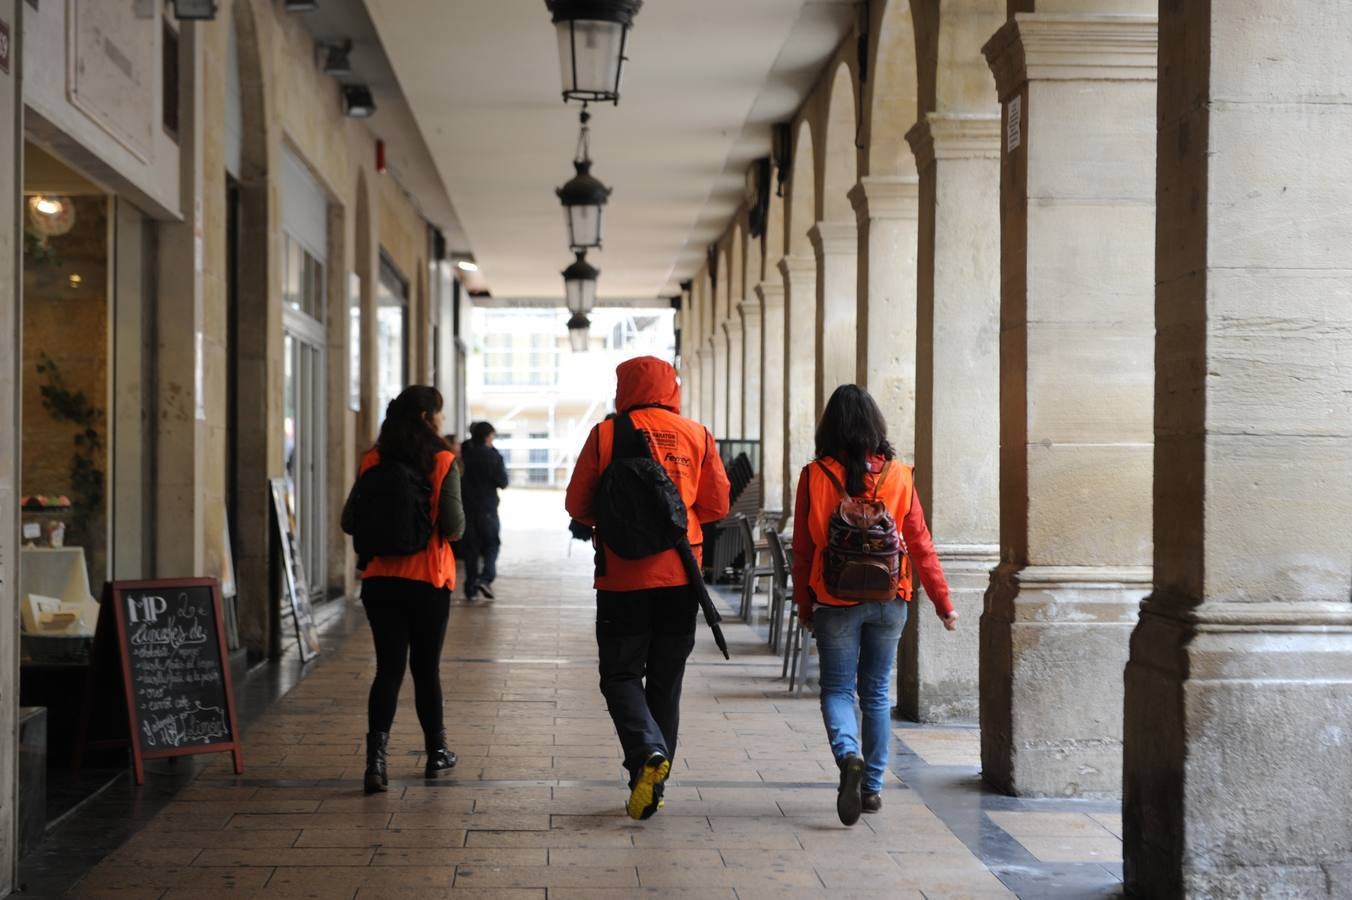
(804, 550)
(582, 486)
(924, 559)
(713, 497)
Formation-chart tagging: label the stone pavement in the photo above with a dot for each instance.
(535, 807)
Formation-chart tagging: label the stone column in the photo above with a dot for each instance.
(719, 350)
(180, 377)
(707, 386)
(750, 311)
(800, 367)
(1238, 739)
(957, 400)
(887, 208)
(1077, 366)
(733, 328)
(771, 294)
(836, 245)
(11, 398)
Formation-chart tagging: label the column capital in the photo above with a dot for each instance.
(954, 136)
(834, 238)
(886, 197)
(771, 294)
(792, 267)
(1031, 47)
(732, 327)
(750, 310)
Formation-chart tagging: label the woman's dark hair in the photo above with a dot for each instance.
(479, 432)
(407, 434)
(851, 430)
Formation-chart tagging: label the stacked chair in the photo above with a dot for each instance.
(784, 626)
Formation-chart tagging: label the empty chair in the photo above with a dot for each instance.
(753, 568)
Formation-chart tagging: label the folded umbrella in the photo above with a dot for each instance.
(711, 614)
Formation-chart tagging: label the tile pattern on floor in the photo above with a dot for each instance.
(534, 808)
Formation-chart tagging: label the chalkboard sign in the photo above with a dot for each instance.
(293, 568)
(170, 637)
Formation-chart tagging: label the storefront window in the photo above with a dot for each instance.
(66, 388)
(391, 335)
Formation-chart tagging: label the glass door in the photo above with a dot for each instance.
(303, 406)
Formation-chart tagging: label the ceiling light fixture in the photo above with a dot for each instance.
(579, 285)
(299, 6)
(579, 333)
(592, 38)
(337, 59)
(195, 10)
(466, 265)
(583, 196)
(358, 102)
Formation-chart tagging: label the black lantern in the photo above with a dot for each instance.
(584, 196)
(579, 332)
(579, 283)
(592, 39)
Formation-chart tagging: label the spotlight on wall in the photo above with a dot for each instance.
(336, 58)
(358, 102)
(299, 6)
(195, 10)
(466, 265)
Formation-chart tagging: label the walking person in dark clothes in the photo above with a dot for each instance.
(408, 596)
(645, 608)
(484, 475)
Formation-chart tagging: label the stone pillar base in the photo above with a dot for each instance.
(937, 671)
(1054, 642)
(1238, 751)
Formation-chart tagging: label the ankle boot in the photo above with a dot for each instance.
(377, 779)
(439, 758)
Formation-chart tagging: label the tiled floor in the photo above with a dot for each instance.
(534, 808)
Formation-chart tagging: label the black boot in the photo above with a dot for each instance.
(377, 779)
(439, 758)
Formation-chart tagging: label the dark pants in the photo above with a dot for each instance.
(408, 622)
(643, 639)
(479, 549)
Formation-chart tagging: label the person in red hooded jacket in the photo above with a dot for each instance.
(645, 609)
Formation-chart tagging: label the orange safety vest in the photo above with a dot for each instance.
(435, 564)
(896, 491)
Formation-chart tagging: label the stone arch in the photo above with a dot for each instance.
(890, 101)
(839, 160)
(802, 199)
(951, 73)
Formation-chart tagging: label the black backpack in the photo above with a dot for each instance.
(639, 512)
(392, 511)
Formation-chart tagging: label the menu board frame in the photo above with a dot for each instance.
(114, 593)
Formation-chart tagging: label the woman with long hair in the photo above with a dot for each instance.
(407, 596)
(858, 530)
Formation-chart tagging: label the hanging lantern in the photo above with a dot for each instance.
(584, 196)
(592, 39)
(579, 285)
(579, 332)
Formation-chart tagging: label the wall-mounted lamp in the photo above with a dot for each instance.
(300, 6)
(358, 102)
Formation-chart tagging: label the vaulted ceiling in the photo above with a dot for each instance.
(705, 82)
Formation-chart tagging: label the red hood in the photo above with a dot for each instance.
(646, 381)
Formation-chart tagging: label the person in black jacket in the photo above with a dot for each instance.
(485, 474)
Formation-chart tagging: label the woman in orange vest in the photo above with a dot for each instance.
(854, 501)
(408, 598)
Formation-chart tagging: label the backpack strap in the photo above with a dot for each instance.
(840, 488)
(887, 464)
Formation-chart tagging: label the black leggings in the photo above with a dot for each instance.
(408, 622)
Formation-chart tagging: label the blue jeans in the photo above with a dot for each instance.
(858, 645)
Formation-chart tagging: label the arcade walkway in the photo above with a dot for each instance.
(534, 809)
